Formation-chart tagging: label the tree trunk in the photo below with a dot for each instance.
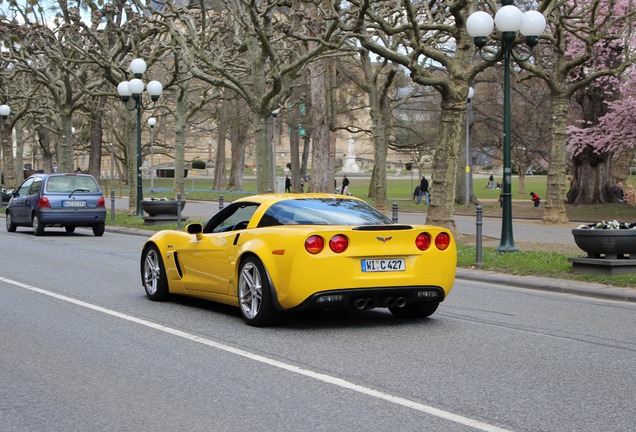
(264, 175)
(238, 143)
(442, 189)
(97, 133)
(379, 112)
(589, 178)
(322, 158)
(554, 209)
(9, 180)
(19, 152)
(65, 143)
(222, 126)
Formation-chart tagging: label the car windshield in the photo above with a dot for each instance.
(71, 183)
(322, 211)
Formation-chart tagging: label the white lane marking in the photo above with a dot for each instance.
(427, 409)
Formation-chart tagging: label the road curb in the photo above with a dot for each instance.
(564, 286)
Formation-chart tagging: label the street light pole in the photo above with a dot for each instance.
(135, 88)
(5, 110)
(152, 122)
(509, 20)
(471, 93)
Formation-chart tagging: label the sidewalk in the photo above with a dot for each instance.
(523, 231)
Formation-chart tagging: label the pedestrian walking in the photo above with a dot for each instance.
(287, 184)
(345, 186)
(423, 191)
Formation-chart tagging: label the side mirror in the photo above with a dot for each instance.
(196, 229)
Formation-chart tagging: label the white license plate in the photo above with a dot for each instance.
(383, 265)
(74, 203)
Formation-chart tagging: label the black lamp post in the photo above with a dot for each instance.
(152, 122)
(469, 98)
(135, 88)
(509, 20)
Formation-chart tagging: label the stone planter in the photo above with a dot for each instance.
(162, 207)
(606, 243)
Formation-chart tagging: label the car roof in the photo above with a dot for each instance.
(47, 175)
(272, 198)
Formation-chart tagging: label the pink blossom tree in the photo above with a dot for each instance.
(606, 133)
(591, 40)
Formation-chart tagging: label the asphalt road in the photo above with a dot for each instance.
(82, 349)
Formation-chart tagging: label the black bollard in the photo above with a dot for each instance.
(112, 206)
(179, 211)
(220, 202)
(395, 213)
(478, 239)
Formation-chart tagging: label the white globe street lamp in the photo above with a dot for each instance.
(135, 88)
(509, 20)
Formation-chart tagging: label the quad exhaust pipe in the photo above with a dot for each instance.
(370, 303)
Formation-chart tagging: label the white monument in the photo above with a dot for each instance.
(350, 165)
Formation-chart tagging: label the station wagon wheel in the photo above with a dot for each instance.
(254, 294)
(10, 225)
(98, 230)
(153, 274)
(414, 310)
(69, 229)
(38, 228)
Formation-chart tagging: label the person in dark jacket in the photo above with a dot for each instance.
(287, 184)
(424, 189)
(345, 186)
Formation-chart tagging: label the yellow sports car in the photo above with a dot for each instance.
(272, 253)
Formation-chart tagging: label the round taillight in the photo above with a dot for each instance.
(314, 244)
(44, 202)
(422, 241)
(442, 241)
(338, 243)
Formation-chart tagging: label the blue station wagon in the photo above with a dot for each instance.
(57, 200)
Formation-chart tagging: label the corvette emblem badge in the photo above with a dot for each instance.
(384, 239)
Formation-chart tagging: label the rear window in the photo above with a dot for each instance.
(322, 211)
(68, 184)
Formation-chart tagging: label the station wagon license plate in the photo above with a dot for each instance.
(74, 203)
(383, 265)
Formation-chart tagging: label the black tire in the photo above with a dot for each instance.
(69, 229)
(254, 294)
(153, 274)
(38, 228)
(10, 225)
(414, 310)
(98, 230)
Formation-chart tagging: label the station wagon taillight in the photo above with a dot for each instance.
(423, 241)
(442, 241)
(44, 202)
(314, 244)
(338, 243)
(101, 202)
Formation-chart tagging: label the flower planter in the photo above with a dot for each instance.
(161, 207)
(606, 243)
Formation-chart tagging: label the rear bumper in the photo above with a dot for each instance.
(79, 217)
(369, 298)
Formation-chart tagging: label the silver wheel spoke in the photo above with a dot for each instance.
(250, 290)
